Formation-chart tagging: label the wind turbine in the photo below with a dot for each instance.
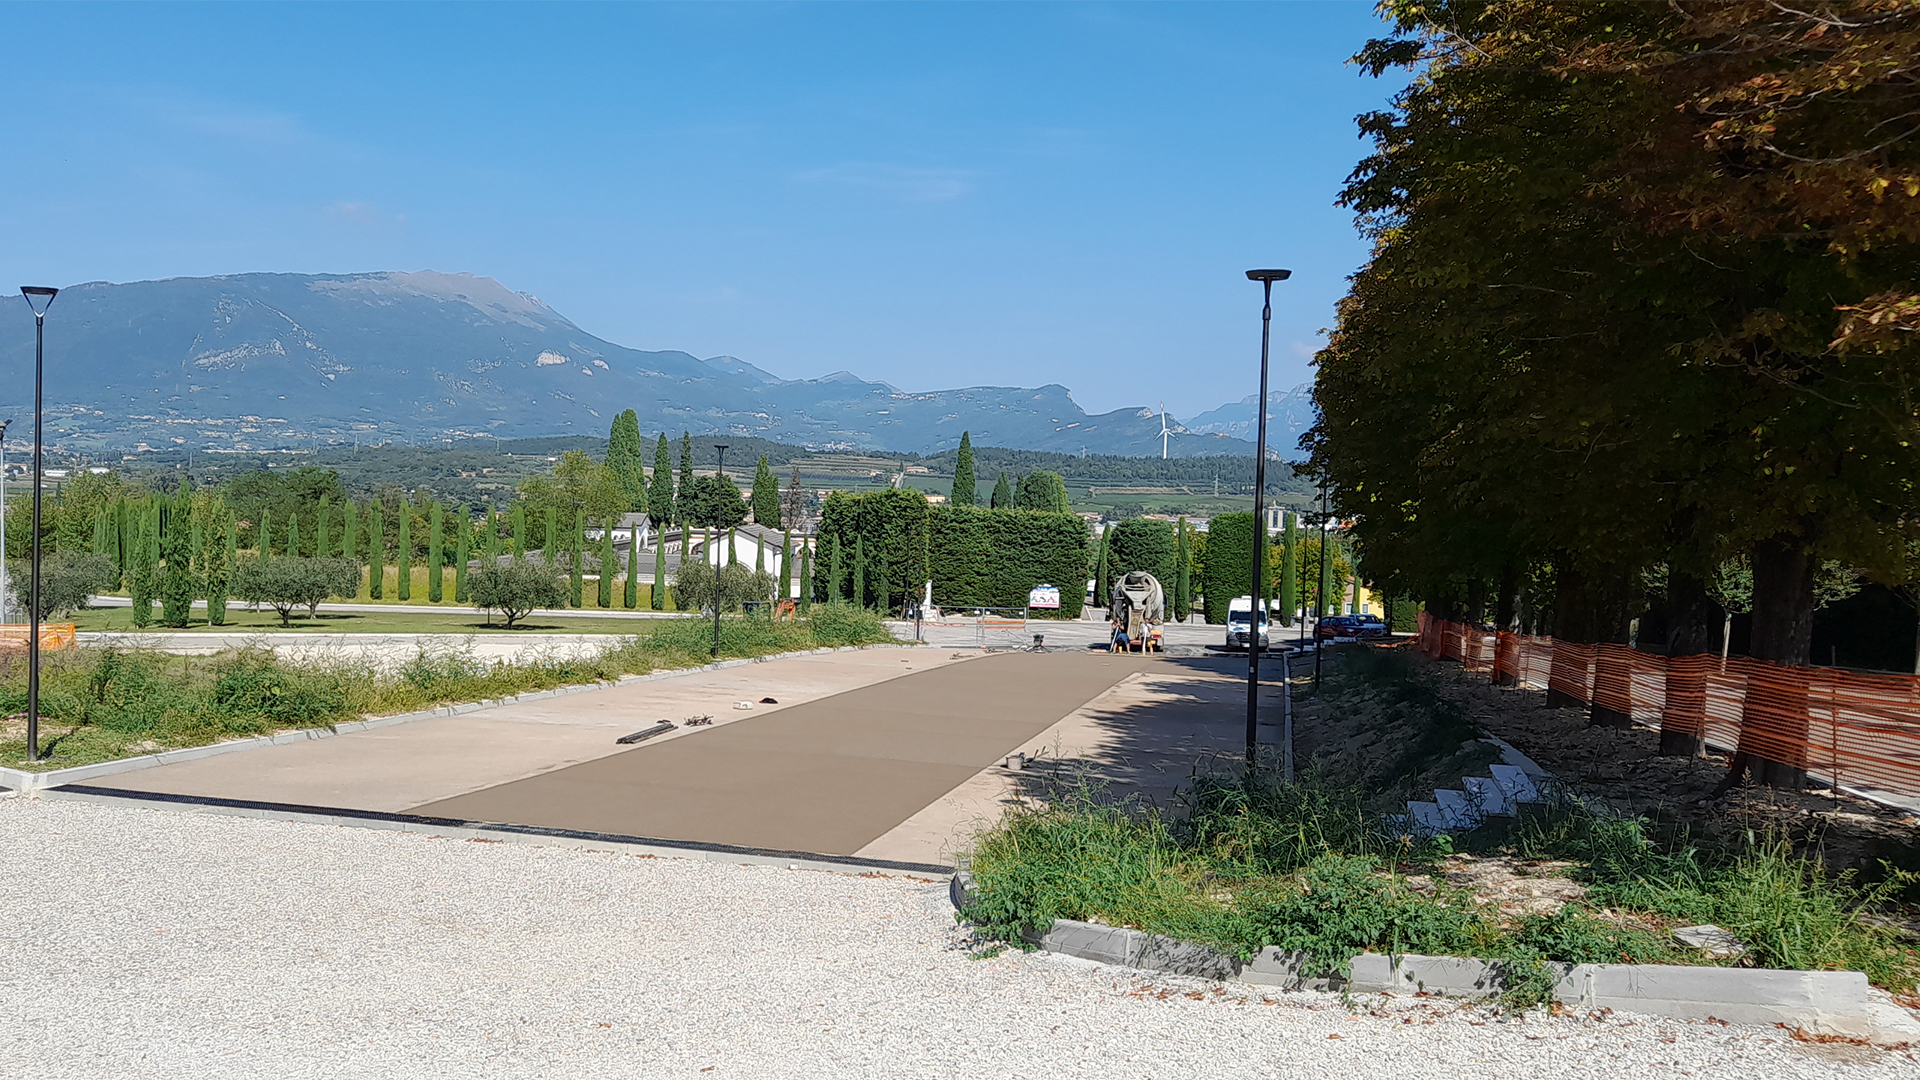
(1163, 431)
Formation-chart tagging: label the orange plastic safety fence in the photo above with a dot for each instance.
(1853, 729)
(52, 635)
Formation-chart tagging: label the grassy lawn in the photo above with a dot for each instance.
(427, 621)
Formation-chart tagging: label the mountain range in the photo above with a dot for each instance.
(263, 361)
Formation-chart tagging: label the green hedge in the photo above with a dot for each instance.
(1139, 544)
(1229, 565)
(992, 558)
(974, 555)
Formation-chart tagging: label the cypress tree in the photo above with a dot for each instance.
(293, 535)
(436, 555)
(1100, 595)
(349, 520)
(733, 547)
(102, 539)
(322, 541)
(575, 597)
(658, 600)
(464, 526)
(550, 543)
(266, 534)
(490, 538)
(660, 488)
(1002, 494)
(963, 471)
(835, 591)
(220, 552)
(630, 595)
(806, 577)
(519, 531)
(1289, 569)
(786, 564)
(376, 552)
(883, 592)
(604, 596)
(176, 584)
(759, 554)
(141, 567)
(765, 496)
(683, 495)
(623, 460)
(860, 571)
(123, 536)
(403, 556)
(1183, 577)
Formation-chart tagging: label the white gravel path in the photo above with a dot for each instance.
(147, 943)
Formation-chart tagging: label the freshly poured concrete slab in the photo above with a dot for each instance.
(827, 776)
(395, 768)
(1141, 739)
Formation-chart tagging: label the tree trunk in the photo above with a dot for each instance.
(1611, 612)
(1692, 626)
(1506, 616)
(1570, 626)
(1774, 721)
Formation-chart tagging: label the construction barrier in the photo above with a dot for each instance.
(52, 635)
(1852, 729)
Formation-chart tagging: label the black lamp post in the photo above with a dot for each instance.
(39, 298)
(721, 473)
(1266, 278)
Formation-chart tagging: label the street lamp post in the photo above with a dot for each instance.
(3, 519)
(39, 298)
(1266, 278)
(720, 472)
(1320, 594)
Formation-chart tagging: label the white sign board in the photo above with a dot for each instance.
(1044, 596)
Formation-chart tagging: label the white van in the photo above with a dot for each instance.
(1240, 623)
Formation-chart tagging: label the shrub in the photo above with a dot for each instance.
(68, 579)
(834, 625)
(254, 683)
(294, 581)
(516, 588)
(703, 586)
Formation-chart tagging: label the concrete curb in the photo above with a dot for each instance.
(1826, 1003)
(496, 832)
(22, 780)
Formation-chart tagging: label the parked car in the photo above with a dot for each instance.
(1351, 626)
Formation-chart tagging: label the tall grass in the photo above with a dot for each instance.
(103, 703)
(1313, 866)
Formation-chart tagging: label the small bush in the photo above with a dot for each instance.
(254, 684)
(837, 624)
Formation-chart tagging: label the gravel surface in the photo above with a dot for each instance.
(161, 943)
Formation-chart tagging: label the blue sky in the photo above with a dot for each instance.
(934, 195)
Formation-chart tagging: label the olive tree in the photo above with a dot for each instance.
(294, 581)
(516, 588)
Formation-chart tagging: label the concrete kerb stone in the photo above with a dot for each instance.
(1833, 1003)
(23, 780)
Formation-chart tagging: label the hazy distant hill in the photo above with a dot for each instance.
(1289, 414)
(270, 360)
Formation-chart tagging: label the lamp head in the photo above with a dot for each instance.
(39, 298)
(1269, 275)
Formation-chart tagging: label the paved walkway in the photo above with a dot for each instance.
(828, 776)
(396, 768)
(1142, 739)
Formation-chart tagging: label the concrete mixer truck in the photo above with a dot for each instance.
(1138, 607)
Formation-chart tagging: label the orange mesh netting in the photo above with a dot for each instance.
(1853, 729)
